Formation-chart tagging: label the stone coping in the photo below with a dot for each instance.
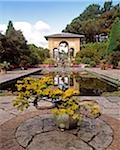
(9, 128)
(13, 75)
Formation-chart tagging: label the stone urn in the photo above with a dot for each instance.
(64, 121)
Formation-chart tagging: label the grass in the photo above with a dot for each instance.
(115, 93)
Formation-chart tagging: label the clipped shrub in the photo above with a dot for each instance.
(49, 61)
(114, 58)
(86, 60)
(92, 52)
(93, 64)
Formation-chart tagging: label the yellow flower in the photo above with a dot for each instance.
(75, 116)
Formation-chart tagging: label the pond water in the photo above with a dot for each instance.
(88, 84)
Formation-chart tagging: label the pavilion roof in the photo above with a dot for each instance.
(64, 35)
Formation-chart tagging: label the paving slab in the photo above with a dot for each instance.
(32, 134)
(9, 128)
(112, 73)
(5, 116)
(11, 75)
(107, 106)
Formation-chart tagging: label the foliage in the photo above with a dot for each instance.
(114, 43)
(19, 41)
(5, 65)
(49, 61)
(107, 6)
(38, 54)
(93, 64)
(114, 58)
(92, 53)
(32, 89)
(29, 89)
(8, 51)
(115, 93)
(13, 45)
(119, 64)
(10, 29)
(94, 21)
(14, 48)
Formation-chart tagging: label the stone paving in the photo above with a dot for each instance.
(11, 75)
(41, 132)
(11, 119)
(109, 105)
(112, 73)
(7, 111)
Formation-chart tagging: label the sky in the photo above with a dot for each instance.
(41, 17)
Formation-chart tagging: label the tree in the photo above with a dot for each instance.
(94, 21)
(92, 52)
(38, 54)
(107, 5)
(90, 12)
(14, 48)
(20, 43)
(114, 58)
(8, 51)
(90, 28)
(114, 42)
(10, 29)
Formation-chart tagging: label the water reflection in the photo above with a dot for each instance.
(63, 81)
(87, 85)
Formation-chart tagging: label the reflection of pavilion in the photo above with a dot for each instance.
(68, 80)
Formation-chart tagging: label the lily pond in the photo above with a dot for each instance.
(87, 83)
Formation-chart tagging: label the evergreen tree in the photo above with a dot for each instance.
(10, 29)
(20, 43)
(94, 21)
(114, 36)
(107, 5)
(8, 51)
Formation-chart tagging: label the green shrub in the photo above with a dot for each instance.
(92, 63)
(119, 64)
(5, 65)
(92, 52)
(49, 61)
(115, 93)
(86, 60)
(114, 58)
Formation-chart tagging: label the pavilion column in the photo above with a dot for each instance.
(69, 56)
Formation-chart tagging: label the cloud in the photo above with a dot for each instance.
(34, 33)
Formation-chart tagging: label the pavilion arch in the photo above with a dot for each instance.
(63, 47)
(64, 42)
(71, 52)
(56, 53)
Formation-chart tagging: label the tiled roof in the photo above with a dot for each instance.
(67, 35)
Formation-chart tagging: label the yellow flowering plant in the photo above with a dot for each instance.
(30, 90)
(69, 105)
(73, 110)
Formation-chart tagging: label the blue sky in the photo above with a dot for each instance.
(56, 14)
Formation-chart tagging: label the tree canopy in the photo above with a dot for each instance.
(114, 43)
(94, 21)
(14, 48)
